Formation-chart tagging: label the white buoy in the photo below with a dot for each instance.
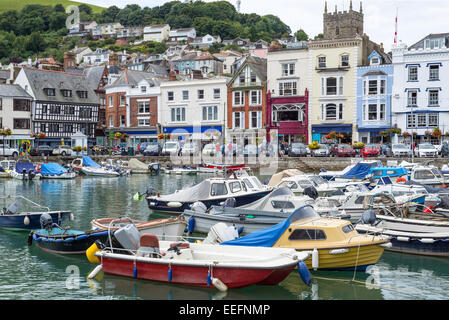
(315, 259)
(26, 221)
(94, 272)
(219, 285)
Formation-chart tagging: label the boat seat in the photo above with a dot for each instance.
(149, 246)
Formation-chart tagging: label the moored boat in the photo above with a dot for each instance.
(91, 168)
(194, 264)
(25, 171)
(56, 171)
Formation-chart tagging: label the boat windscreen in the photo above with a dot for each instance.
(303, 213)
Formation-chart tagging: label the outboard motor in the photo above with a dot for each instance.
(31, 174)
(46, 221)
(24, 172)
(149, 191)
(369, 217)
(230, 203)
(311, 192)
(199, 207)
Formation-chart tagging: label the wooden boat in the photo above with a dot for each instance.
(333, 243)
(52, 238)
(25, 171)
(56, 171)
(164, 228)
(14, 219)
(195, 264)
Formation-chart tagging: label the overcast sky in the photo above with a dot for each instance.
(416, 18)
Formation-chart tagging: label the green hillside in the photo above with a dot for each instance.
(19, 4)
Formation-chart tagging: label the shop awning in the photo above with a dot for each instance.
(341, 128)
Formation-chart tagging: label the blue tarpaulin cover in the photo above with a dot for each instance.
(262, 238)
(51, 169)
(88, 162)
(24, 165)
(359, 171)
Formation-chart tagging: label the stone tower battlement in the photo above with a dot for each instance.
(342, 24)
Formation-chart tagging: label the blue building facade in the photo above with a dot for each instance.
(374, 94)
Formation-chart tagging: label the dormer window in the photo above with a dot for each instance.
(434, 43)
(82, 94)
(66, 93)
(375, 61)
(50, 92)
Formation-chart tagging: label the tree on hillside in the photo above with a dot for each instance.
(300, 35)
(35, 42)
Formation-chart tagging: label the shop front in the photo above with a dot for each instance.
(321, 133)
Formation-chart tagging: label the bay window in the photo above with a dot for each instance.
(288, 88)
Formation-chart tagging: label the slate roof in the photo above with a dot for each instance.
(13, 91)
(133, 77)
(40, 79)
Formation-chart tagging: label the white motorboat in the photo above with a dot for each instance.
(56, 171)
(91, 168)
(25, 171)
(5, 166)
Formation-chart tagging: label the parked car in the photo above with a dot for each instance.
(297, 150)
(401, 150)
(426, 150)
(152, 149)
(251, 150)
(211, 150)
(370, 150)
(344, 150)
(170, 148)
(43, 150)
(63, 151)
(323, 151)
(6, 150)
(190, 149)
(445, 149)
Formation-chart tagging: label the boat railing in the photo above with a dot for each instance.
(26, 199)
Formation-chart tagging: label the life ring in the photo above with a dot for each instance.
(399, 180)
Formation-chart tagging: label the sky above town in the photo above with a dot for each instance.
(416, 18)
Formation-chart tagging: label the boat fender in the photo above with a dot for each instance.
(429, 240)
(315, 259)
(44, 239)
(94, 272)
(403, 239)
(240, 230)
(26, 221)
(170, 275)
(191, 224)
(90, 253)
(209, 280)
(58, 240)
(36, 238)
(71, 239)
(304, 273)
(219, 285)
(30, 238)
(82, 237)
(174, 204)
(135, 272)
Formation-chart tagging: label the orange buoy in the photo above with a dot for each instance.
(400, 180)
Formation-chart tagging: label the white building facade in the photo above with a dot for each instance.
(420, 95)
(158, 32)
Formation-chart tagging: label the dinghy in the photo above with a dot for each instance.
(194, 264)
(25, 171)
(164, 228)
(14, 218)
(56, 171)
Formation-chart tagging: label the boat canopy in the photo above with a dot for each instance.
(198, 192)
(359, 171)
(20, 166)
(276, 178)
(379, 172)
(269, 236)
(52, 169)
(137, 164)
(262, 203)
(88, 162)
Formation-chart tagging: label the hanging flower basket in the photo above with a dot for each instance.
(436, 132)
(161, 136)
(406, 134)
(5, 132)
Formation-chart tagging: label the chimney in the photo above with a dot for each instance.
(172, 76)
(14, 70)
(69, 60)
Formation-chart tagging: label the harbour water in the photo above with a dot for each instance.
(30, 273)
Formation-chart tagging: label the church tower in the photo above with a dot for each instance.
(342, 24)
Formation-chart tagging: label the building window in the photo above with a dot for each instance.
(372, 87)
(422, 120)
(85, 113)
(200, 94)
(288, 69)
(412, 97)
(143, 122)
(122, 100)
(434, 43)
(210, 113)
(238, 120)
(50, 92)
(143, 89)
(66, 93)
(434, 72)
(111, 121)
(382, 86)
(122, 120)
(171, 96)
(288, 88)
(21, 123)
(185, 95)
(321, 62)
(143, 107)
(53, 127)
(238, 98)
(216, 93)
(433, 119)
(332, 112)
(253, 77)
(331, 86)
(111, 99)
(21, 105)
(374, 112)
(178, 114)
(55, 109)
(255, 98)
(340, 86)
(345, 60)
(68, 127)
(242, 79)
(413, 73)
(255, 119)
(375, 61)
(433, 98)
